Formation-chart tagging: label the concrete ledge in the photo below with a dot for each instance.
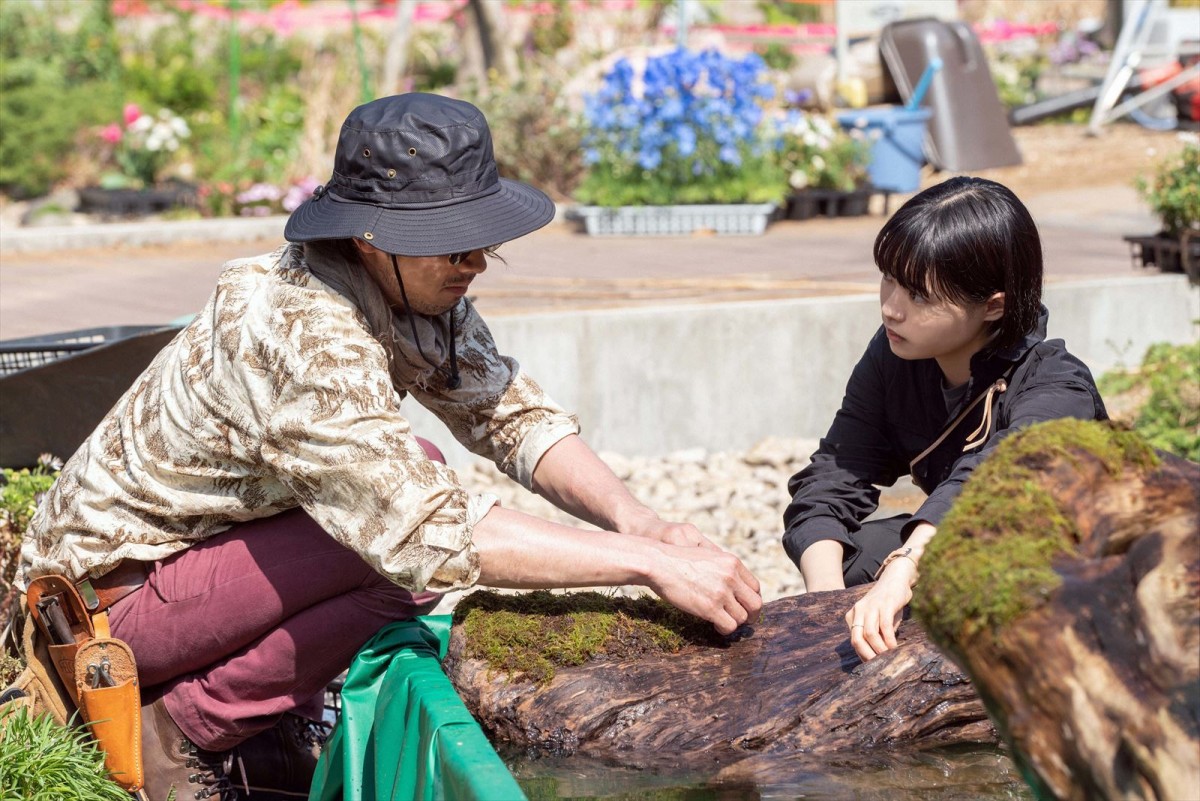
(14, 239)
(724, 376)
(139, 234)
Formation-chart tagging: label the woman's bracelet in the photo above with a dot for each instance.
(899, 553)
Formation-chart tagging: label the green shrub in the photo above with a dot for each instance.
(531, 133)
(53, 82)
(1169, 381)
(18, 500)
(1173, 191)
(41, 760)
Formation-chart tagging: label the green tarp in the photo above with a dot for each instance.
(404, 733)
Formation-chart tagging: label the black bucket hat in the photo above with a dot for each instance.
(414, 175)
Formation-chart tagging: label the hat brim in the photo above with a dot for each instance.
(514, 210)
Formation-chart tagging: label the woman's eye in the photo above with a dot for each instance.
(917, 297)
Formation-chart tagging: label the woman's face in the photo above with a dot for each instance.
(433, 285)
(921, 327)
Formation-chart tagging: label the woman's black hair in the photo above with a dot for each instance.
(962, 241)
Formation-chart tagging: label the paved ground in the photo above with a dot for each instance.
(559, 267)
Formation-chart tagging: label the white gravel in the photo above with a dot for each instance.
(735, 498)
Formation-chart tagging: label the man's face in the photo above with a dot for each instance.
(432, 283)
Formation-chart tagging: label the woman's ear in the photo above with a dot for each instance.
(994, 307)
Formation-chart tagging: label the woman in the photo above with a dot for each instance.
(961, 361)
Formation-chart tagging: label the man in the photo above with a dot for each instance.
(255, 507)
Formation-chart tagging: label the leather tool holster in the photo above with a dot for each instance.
(97, 671)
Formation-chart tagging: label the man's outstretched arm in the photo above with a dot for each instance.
(524, 552)
(572, 477)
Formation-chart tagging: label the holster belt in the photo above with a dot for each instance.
(127, 577)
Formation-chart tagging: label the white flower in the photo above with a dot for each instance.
(798, 179)
(809, 138)
(818, 162)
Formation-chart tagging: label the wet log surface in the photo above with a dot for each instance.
(791, 685)
(1094, 678)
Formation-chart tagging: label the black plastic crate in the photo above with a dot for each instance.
(23, 354)
(58, 387)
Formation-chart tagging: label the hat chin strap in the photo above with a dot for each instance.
(453, 380)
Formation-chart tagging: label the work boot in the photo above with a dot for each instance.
(279, 763)
(175, 767)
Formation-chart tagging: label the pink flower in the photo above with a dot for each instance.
(132, 112)
(111, 133)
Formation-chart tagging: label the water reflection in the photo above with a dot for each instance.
(943, 775)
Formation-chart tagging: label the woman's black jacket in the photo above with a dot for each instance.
(894, 409)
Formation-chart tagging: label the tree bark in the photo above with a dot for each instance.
(793, 685)
(1095, 680)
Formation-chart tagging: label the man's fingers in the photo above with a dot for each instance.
(748, 600)
(723, 622)
(748, 578)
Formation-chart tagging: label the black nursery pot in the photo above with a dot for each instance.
(136, 202)
(810, 203)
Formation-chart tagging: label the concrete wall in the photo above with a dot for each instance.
(724, 376)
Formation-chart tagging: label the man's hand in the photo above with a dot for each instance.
(709, 583)
(873, 621)
(685, 534)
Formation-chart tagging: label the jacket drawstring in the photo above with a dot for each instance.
(985, 425)
(998, 386)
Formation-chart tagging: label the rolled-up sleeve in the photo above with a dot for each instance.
(498, 412)
(337, 440)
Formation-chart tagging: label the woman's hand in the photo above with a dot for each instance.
(874, 619)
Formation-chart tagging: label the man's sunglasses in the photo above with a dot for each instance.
(458, 258)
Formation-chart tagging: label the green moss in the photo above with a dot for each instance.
(535, 633)
(991, 561)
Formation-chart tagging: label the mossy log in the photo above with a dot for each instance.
(791, 684)
(1066, 580)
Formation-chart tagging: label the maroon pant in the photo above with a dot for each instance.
(253, 623)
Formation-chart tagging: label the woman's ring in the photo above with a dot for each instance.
(857, 626)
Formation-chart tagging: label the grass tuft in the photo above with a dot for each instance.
(41, 760)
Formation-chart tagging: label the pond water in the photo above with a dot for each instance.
(942, 775)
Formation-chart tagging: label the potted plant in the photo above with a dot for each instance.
(826, 167)
(1173, 193)
(138, 152)
(679, 146)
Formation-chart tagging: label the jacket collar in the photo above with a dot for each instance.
(1016, 352)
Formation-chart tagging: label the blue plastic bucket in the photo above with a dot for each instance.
(897, 135)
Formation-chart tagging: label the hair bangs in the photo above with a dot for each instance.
(920, 261)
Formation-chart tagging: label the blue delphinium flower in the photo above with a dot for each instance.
(695, 113)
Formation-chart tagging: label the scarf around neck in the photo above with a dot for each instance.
(393, 328)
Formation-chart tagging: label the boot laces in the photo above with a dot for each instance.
(212, 773)
(308, 733)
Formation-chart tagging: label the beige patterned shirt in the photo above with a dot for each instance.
(277, 395)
